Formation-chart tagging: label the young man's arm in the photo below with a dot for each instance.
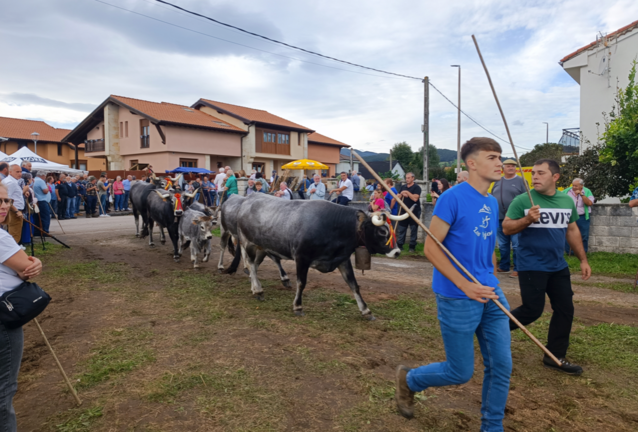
(440, 260)
(514, 226)
(575, 242)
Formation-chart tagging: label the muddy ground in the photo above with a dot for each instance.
(153, 345)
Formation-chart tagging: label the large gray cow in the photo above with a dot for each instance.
(229, 214)
(316, 234)
(195, 227)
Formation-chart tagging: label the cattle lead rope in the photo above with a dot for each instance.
(472, 278)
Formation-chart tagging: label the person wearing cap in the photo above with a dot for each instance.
(505, 190)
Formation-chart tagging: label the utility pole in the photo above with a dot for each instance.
(458, 127)
(546, 133)
(426, 127)
(390, 161)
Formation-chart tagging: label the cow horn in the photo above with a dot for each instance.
(191, 195)
(153, 176)
(174, 180)
(161, 194)
(404, 216)
(377, 219)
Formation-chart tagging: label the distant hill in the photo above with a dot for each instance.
(444, 155)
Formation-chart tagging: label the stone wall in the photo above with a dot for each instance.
(614, 228)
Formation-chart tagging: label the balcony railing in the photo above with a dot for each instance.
(145, 141)
(94, 146)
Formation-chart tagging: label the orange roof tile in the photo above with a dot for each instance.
(255, 115)
(22, 129)
(173, 113)
(591, 45)
(316, 137)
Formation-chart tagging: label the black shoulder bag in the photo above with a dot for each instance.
(21, 305)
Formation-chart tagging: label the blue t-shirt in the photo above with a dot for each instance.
(38, 186)
(634, 195)
(54, 197)
(127, 185)
(388, 199)
(473, 220)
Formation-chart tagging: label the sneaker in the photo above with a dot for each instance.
(566, 367)
(499, 270)
(403, 396)
(514, 274)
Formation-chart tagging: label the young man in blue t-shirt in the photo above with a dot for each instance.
(465, 220)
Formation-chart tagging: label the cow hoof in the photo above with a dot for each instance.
(220, 269)
(176, 258)
(299, 313)
(286, 284)
(152, 245)
(137, 235)
(163, 242)
(205, 259)
(370, 317)
(259, 297)
(247, 271)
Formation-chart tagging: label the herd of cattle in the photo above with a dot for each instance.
(314, 234)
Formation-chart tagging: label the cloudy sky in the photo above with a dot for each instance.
(61, 58)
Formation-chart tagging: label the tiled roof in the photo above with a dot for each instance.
(316, 137)
(173, 113)
(22, 129)
(593, 44)
(254, 115)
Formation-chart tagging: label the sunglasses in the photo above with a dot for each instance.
(6, 201)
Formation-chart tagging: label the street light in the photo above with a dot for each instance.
(458, 126)
(34, 137)
(546, 133)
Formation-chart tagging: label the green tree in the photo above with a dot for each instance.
(602, 178)
(402, 152)
(416, 165)
(621, 134)
(542, 151)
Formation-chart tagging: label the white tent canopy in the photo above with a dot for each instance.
(2, 156)
(37, 163)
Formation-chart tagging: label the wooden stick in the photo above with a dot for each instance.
(56, 217)
(529, 194)
(68, 383)
(472, 278)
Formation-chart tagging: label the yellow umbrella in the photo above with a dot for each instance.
(304, 164)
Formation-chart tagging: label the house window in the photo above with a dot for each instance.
(145, 138)
(270, 137)
(188, 163)
(283, 139)
(60, 149)
(121, 129)
(126, 129)
(134, 164)
(82, 164)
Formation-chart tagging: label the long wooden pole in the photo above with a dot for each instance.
(509, 136)
(56, 217)
(68, 383)
(459, 265)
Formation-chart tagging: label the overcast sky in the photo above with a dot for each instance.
(61, 58)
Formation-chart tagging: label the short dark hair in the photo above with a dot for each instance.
(551, 163)
(478, 144)
(3, 166)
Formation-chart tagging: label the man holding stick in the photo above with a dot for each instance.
(541, 264)
(465, 221)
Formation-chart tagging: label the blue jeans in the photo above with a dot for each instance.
(103, 204)
(44, 218)
(78, 201)
(54, 206)
(117, 202)
(11, 344)
(70, 207)
(583, 226)
(460, 320)
(125, 199)
(341, 200)
(91, 202)
(504, 247)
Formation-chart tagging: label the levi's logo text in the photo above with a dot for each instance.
(552, 218)
(485, 223)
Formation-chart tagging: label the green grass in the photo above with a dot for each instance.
(607, 264)
(217, 231)
(80, 420)
(616, 286)
(120, 352)
(409, 315)
(92, 271)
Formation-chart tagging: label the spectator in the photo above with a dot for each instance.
(62, 192)
(253, 174)
(461, 177)
(101, 195)
(584, 199)
(91, 197)
(378, 203)
(505, 190)
(108, 184)
(219, 183)
(274, 177)
(4, 170)
(410, 193)
(72, 195)
(14, 218)
(144, 179)
(118, 193)
(231, 184)
(259, 187)
(15, 267)
(392, 204)
(283, 191)
(241, 174)
(54, 195)
(81, 186)
(303, 187)
(43, 195)
(127, 191)
(264, 184)
(633, 201)
(207, 189)
(355, 182)
(197, 184)
(251, 187)
(370, 186)
(345, 191)
(362, 180)
(443, 185)
(317, 189)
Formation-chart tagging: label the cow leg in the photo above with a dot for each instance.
(348, 275)
(136, 216)
(251, 256)
(180, 243)
(285, 280)
(302, 277)
(222, 244)
(173, 233)
(206, 251)
(193, 249)
(162, 235)
(150, 226)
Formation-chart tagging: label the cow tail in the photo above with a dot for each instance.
(231, 245)
(232, 269)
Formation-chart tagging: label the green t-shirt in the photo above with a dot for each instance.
(231, 184)
(541, 245)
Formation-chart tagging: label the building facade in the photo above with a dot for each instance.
(325, 150)
(600, 68)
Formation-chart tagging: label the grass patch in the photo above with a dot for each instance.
(92, 271)
(217, 231)
(80, 420)
(616, 286)
(409, 315)
(120, 352)
(607, 264)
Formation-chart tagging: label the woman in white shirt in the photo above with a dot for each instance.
(15, 267)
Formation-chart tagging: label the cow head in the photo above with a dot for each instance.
(175, 199)
(190, 197)
(160, 183)
(378, 233)
(205, 226)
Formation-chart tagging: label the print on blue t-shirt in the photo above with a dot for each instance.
(473, 220)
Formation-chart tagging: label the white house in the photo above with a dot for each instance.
(600, 68)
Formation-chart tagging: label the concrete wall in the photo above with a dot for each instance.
(614, 228)
(597, 92)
